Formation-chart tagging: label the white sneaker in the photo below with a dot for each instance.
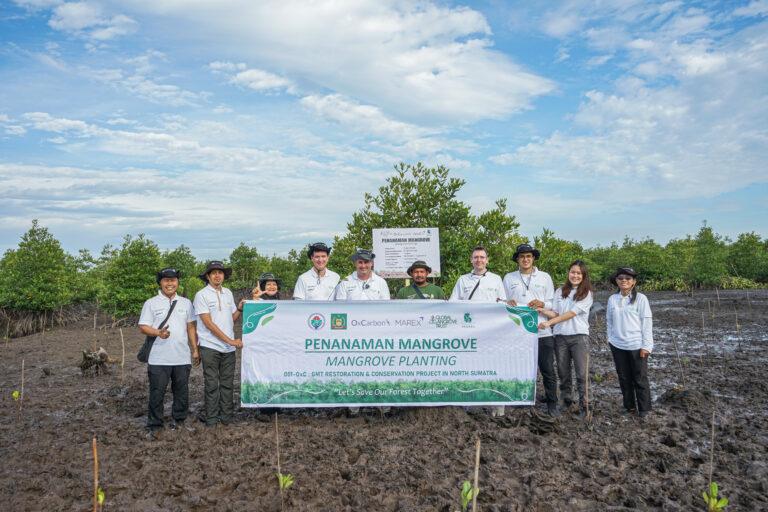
(354, 411)
(498, 411)
(386, 409)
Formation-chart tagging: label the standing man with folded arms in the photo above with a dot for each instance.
(216, 315)
(529, 286)
(317, 283)
(173, 351)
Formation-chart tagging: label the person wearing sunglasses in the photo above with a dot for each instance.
(317, 283)
(630, 335)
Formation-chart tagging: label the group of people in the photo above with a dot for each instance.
(188, 333)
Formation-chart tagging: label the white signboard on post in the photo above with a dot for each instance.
(397, 248)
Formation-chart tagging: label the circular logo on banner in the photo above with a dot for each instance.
(316, 321)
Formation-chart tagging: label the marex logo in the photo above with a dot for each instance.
(316, 321)
(467, 318)
(338, 321)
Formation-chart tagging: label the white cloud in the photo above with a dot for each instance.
(88, 19)
(260, 80)
(417, 62)
(755, 8)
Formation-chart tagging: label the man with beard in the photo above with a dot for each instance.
(216, 315)
(420, 288)
(317, 283)
(170, 318)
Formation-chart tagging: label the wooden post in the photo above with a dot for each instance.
(122, 359)
(21, 394)
(95, 476)
(477, 474)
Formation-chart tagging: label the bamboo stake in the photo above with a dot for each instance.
(21, 395)
(7, 332)
(95, 315)
(477, 474)
(712, 449)
(279, 471)
(122, 359)
(95, 476)
(679, 362)
(587, 412)
(717, 291)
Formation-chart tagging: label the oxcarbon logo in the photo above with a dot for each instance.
(316, 321)
(467, 318)
(338, 321)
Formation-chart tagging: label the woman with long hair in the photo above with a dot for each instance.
(630, 335)
(569, 318)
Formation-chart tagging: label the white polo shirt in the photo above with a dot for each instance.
(221, 306)
(534, 286)
(173, 350)
(310, 286)
(490, 288)
(630, 326)
(578, 324)
(353, 288)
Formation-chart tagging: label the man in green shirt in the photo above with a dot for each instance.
(420, 288)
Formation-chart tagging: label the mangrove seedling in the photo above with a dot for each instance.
(468, 493)
(285, 481)
(714, 504)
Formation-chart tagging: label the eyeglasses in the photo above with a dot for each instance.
(624, 278)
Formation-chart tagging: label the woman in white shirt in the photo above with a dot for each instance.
(630, 335)
(569, 318)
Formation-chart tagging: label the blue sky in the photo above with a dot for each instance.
(213, 122)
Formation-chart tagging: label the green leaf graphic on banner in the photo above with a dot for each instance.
(528, 316)
(255, 315)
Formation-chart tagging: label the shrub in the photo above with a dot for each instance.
(37, 276)
(130, 277)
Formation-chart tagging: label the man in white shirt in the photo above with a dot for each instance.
(173, 351)
(216, 315)
(363, 283)
(529, 286)
(317, 283)
(481, 284)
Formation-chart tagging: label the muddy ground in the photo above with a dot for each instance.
(412, 459)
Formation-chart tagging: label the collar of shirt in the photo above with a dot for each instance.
(164, 296)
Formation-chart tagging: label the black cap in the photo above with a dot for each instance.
(168, 272)
(268, 276)
(629, 271)
(318, 247)
(362, 254)
(215, 265)
(419, 264)
(524, 248)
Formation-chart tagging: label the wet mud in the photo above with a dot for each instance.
(711, 355)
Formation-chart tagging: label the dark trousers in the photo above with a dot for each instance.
(633, 378)
(159, 375)
(572, 348)
(219, 377)
(547, 368)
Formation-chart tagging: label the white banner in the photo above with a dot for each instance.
(374, 353)
(397, 248)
